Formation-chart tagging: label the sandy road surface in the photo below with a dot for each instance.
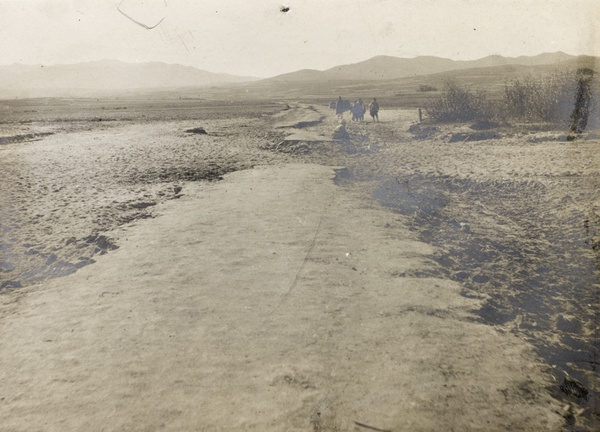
(275, 300)
(61, 194)
(267, 301)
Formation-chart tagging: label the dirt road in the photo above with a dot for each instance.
(267, 301)
(272, 299)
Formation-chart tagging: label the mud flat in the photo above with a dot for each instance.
(268, 301)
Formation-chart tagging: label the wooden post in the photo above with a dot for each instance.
(420, 116)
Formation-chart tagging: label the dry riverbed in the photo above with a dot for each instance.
(349, 292)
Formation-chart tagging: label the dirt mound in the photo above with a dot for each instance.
(422, 132)
(476, 136)
(197, 131)
(292, 147)
(23, 137)
(484, 125)
(340, 132)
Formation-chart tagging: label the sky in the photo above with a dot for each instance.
(257, 38)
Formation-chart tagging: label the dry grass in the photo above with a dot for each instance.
(559, 98)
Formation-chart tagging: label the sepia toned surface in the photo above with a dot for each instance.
(345, 289)
(191, 238)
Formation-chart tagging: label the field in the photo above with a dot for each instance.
(503, 222)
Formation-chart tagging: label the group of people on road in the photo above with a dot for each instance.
(357, 109)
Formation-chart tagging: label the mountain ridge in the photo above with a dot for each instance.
(19, 80)
(99, 78)
(384, 67)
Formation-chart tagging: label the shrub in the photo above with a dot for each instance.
(457, 103)
(562, 98)
(548, 99)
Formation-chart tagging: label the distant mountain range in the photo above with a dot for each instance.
(82, 79)
(397, 78)
(389, 68)
(108, 76)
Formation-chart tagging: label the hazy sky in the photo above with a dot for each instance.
(254, 37)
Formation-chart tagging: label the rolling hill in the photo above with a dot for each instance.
(405, 89)
(107, 75)
(382, 75)
(387, 68)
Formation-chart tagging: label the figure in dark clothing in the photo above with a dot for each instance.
(374, 109)
(583, 99)
(340, 107)
(362, 110)
(358, 110)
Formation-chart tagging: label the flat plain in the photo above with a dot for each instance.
(264, 276)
